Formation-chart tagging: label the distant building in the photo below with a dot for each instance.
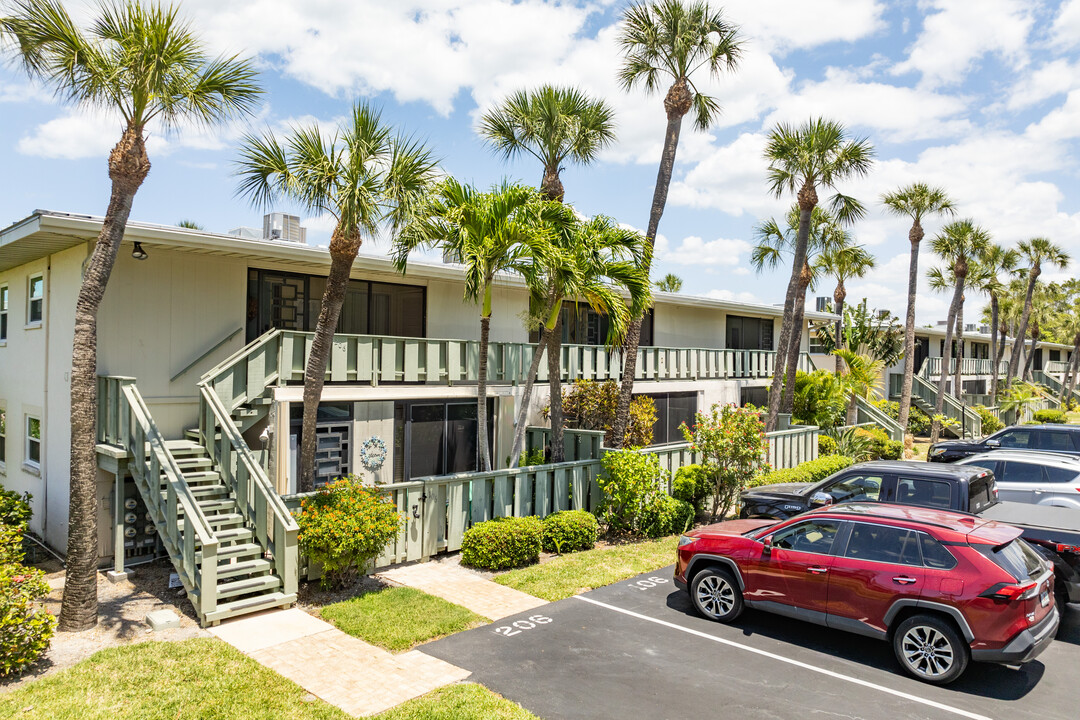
(276, 226)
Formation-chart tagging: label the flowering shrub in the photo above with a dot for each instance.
(570, 531)
(502, 543)
(25, 626)
(732, 445)
(344, 526)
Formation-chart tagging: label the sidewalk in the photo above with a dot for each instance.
(463, 587)
(359, 678)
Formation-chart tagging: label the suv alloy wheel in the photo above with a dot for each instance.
(929, 649)
(716, 595)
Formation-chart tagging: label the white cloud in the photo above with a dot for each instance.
(17, 92)
(695, 251)
(787, 24)
(958, 33)
(747, 297)
(1066, 29)
(1053, 78)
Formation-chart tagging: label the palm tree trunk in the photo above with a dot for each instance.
(1029, 360)
(1075, 364)
(676, 104)
(838, 296)
(1021, 331)
(994, 309)
(939, 401)
(795, 345)
(526, 397)
(128, 167)
(957, 371)
(344, 246)
(481, 384)
(1069, 377)
(915, 236)
(554, 359)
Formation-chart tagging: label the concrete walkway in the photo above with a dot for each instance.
(463, 587)
(359, 678)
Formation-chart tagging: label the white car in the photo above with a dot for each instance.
(1029, 476)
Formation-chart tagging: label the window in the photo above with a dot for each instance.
(4, 300)
(1014, 439)
(581, 325)
(1053, 474)
(855, 487)
(883, 543)
(1055, 440)
(749, 333)
(1020, 472)
(927, 493)
(982, 493)
(991, 465)
(814, 536)
(672, 410)
(35, 299)
(438, 437)
(33, 441)
(935, 555)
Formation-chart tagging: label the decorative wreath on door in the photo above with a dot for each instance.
(373, 453)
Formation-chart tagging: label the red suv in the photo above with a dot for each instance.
(943, 587)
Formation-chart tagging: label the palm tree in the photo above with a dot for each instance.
(670, 283)
(942, 279)
(670, 40)
(502, 230)
(958, 243)
(1040, 311)
(863, 377)
(553, 125)
(362, 175)
(189, 225)
(844, 261)
(148, 67)
(801, 159)
(993, 262)
(596, 261)
(1036, 252)
(916, 201)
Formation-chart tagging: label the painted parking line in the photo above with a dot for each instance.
(781, 658)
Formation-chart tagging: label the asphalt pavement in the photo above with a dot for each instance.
(637, 649)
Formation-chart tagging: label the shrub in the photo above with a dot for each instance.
(732, 444)
(590, 405)
(990, 423)
(14, 509)
(880, 446)
(665, 516)
(344, 526)
(1050, 415)
(691, 484)
(826, 445)
(630, 481)
(810, 471)
(570, 531)
(25, 626)
(531, 457)
(853, 444)
(918, 422)
(502, 543)
(821, 398)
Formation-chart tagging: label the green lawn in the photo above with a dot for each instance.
(399, 618)
(1073, 418)
(467, 701)
(569, 575)
(200, 679)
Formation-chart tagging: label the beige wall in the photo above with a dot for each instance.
(450, 316)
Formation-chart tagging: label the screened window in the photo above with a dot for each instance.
(672, 410)
(33, 441)
(814, 536)
(438, 438)
(35, 305)
(4, 300)
(581, 325)
(883, 543)
(749, 333)
(927, 493)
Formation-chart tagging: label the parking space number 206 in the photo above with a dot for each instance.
(517, 626)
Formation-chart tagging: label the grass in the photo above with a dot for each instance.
(467, 701)
(569, 575)
(200, 679)
(920, 447)
(1073, 418)
(399, 618)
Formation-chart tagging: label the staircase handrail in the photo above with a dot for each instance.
(877, 416)
(970, 420)
(178, 496)
(256, 495)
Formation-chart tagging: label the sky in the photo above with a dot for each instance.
(981, 98)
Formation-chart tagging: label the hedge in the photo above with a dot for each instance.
(666, 516)
(502, 543)
(1050, 415)
(810, 471)
(570, 531)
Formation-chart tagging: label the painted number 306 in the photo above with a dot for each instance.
(517, 626)
(648, 583)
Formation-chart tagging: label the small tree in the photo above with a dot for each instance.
(732, 445)
(591, 405)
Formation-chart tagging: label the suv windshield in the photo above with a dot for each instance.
(1016, 558)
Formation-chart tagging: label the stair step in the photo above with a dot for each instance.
(256, 566)
(247, 605)
(194, 463)
(242, 551)
(216, 504)
(233, 534)
(259, 583)
(206, 492)
(197, 477)
(261, 401)
(192, 435)
(246, 412)
(185, 448)
(218, 522)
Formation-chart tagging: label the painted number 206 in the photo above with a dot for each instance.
(517, 626)
(648, 583)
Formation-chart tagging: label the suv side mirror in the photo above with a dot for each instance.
(821, 499)
(993, 443)
(766, 544)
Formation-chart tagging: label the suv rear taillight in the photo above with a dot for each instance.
(1007, 592)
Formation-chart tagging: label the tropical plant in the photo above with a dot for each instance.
(26, 627)
(863, 377)
(990, 422)
(959, 243)
(189, 225)
(821, 399)
(844, 261)
(660, 41)
(665, 515)
(732, 446)
(943, 280)
(875, 333)
(630, 482)
(490, 232)
(692, 484)
(1019, 398)
(364, 176)
(147, 67)
(590, 405)
(569, 531)
(502, 543)
(670, 283)
(851, 444)
(916, 201)
(992, 263)
(1035, 253)
(802, 159)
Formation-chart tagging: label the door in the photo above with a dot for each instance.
(792, 578)
(1019, 481)
(880, 564)
(922, 351)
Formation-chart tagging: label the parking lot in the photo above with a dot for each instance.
(637, 649)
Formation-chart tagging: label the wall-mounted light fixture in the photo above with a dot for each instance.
(138, 253)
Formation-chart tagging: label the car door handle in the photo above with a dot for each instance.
(1038, 491)
(817, 570)
(903, 580)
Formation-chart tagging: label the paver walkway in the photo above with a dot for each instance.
(359, 678)
(464, 587)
